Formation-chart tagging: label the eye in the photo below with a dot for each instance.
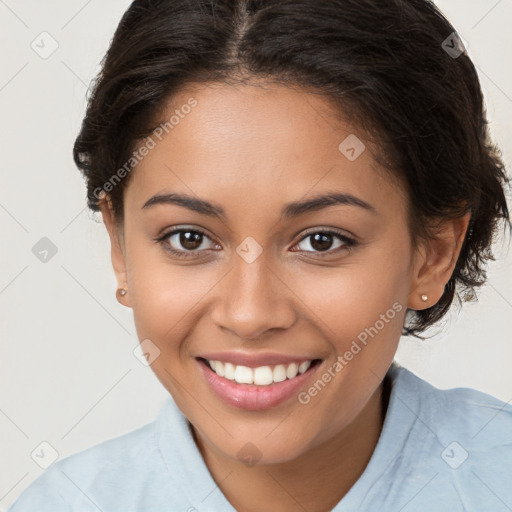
(187, 242)
(184, 242)
(321, 241)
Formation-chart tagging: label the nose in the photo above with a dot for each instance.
(253, 299)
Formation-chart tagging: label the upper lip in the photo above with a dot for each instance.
(256, 359)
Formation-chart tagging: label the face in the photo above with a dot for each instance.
(257, 284)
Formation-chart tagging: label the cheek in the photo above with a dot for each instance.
(165, 297)
(346, 300)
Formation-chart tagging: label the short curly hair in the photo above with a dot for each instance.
(397, 68)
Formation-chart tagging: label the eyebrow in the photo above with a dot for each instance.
(290, 210)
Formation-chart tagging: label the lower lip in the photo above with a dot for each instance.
(250, 396)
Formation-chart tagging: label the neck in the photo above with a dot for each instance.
(316, 480)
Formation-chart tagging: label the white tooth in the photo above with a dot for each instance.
(229, 371)
(219, 368)
(292, 370)
(304, 366)
(279, 373)
(263, 376)
(244, 375)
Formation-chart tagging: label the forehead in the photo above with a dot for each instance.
(261, 144)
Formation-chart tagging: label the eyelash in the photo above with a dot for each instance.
(349, 242)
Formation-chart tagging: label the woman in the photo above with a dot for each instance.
(289, 187)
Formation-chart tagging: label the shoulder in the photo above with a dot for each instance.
(88, 473)
(440, 449)
(473, 418)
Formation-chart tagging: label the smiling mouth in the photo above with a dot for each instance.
(261, 375)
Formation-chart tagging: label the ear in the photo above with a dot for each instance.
(435, 261)
(117, 249)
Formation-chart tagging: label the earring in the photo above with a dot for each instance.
(122, 292)
(424, 298)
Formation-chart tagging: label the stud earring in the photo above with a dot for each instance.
(122, 292)
(424, 298)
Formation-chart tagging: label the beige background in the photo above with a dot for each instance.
(68, 374)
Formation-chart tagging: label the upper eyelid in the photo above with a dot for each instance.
(173, 231)
(334, 231)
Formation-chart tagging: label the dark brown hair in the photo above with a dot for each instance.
(394, 67)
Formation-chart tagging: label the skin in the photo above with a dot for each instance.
(251, 150)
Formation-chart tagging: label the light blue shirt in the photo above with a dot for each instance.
(439, 451)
